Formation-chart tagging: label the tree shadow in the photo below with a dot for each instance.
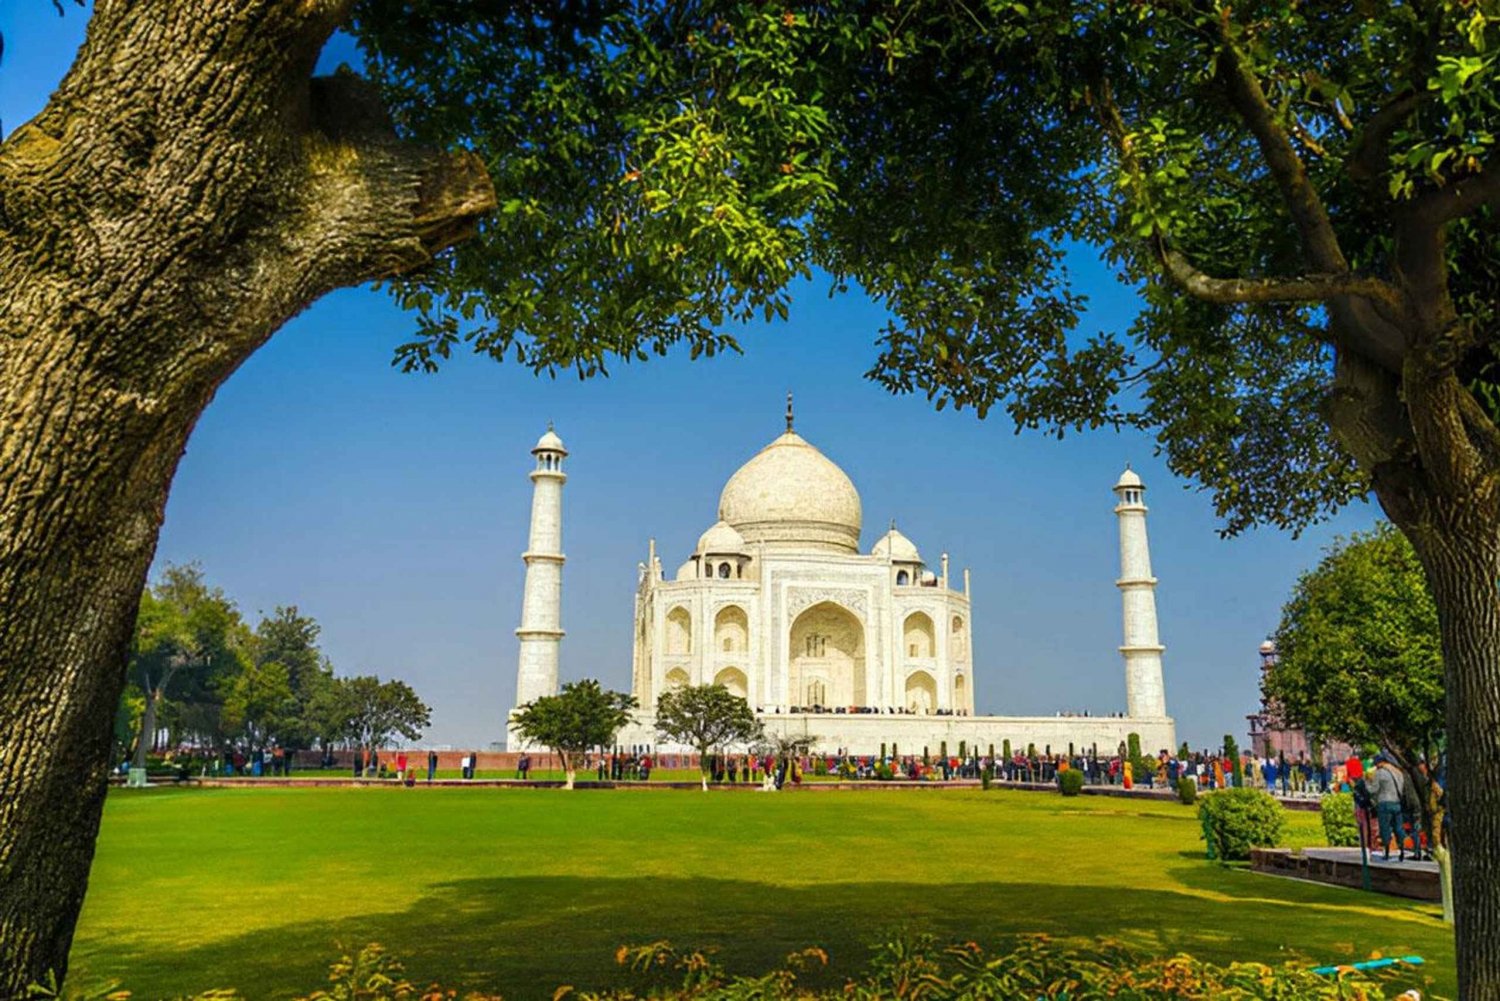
(524, 936)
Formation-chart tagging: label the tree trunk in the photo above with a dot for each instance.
(188, 189)
(146, 737)
(1461, 555)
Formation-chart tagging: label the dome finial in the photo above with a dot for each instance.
(789, 411)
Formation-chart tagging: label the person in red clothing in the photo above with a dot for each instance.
(401, 766)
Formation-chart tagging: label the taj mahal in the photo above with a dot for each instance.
(855, 649)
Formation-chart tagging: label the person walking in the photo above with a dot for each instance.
(1384, 785)
(431, 765)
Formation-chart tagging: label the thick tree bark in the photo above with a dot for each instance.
(1463, 570)
(188, 189)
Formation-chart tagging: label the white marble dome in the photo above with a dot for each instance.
(897, 547)
(791, 497)
(549, 442)
(1128, 479)
(721, 538)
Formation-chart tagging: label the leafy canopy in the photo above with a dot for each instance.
(666, 169)
(1359, 656)
(370, 712)
(705, 718)
(582, 716)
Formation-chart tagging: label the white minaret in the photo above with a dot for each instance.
(541, 606)
(1145, 695)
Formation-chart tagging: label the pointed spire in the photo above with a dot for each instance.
(789, 412)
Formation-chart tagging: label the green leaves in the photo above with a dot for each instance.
(706, 718)
(1359, 654)
(667, 171)
(582, 716)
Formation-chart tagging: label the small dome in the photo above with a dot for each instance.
(791, 497)
(721, 538)
(1267, 648)
(549, 442)
(898, 547)
(1129, 479)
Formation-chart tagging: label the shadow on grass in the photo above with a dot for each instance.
(525, 936)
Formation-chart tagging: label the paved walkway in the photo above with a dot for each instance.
(1350, 856)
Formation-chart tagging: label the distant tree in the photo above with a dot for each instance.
(368, 712)
(184, 627)
(581, 717)
(289, 638)
(706, 718)
(259, 705)
(1359, 653)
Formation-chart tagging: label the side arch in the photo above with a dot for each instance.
(731, 630)
(921, 692)
(918, 637)
(679, 631)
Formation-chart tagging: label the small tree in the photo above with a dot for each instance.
(1232, 752)
(1359, 657)
(368, 712)
(705, 718)
(582, 716)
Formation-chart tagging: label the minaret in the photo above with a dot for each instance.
(541, 606)
(1145, 695)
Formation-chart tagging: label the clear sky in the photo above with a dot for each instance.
(393, 508)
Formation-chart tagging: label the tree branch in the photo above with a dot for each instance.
(1304, 288)
(1457, 198)
(1367, 159)
(1319, 241)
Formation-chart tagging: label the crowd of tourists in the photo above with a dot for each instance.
(1394, 806)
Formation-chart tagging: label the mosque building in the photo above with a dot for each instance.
(858, 649)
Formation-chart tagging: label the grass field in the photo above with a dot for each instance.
(518, 891)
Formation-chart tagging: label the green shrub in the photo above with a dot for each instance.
(820, 767)
(1005, 749)
(1133, 746)
(987, 776)
(1339, 825)
(883, 772)
(1187, 790)
(1070, 782)
(1145, 768)
(1240, 819)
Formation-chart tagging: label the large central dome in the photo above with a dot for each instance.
(791, 497)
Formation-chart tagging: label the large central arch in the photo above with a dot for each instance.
(826, 658)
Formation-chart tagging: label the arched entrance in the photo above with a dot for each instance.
(826, 658)
(921, 692)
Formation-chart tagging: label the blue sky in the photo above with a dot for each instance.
(393, 508)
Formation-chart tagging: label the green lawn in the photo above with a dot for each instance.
(518, 890)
